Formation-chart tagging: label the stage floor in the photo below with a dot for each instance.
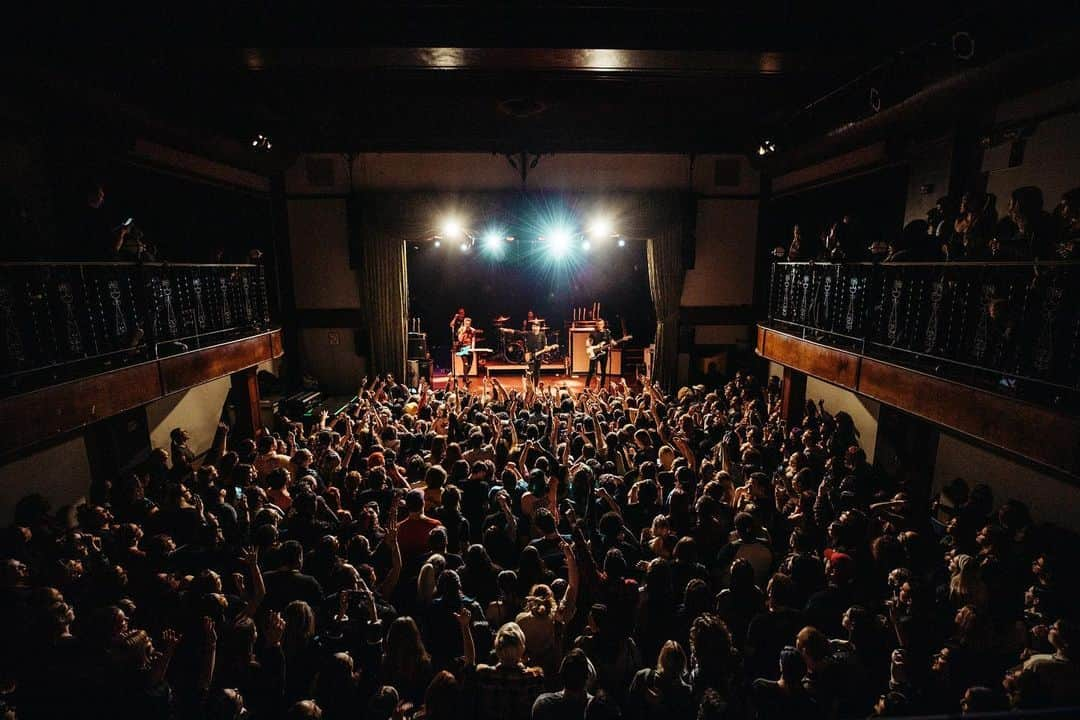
(572, 383)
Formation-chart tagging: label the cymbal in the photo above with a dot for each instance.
(507, 330)
(501, 319)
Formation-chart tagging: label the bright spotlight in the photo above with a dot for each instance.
(766, 147)
(438, 243)
(601, 228)
(622, 242)
(494, 243)
(558, 242)
(464, 247)
(451, 228)
(585, 245)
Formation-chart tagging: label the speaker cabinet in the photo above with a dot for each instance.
(417, 348)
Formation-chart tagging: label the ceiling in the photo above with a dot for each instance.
(551, 77)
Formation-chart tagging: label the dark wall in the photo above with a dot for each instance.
(875, 201)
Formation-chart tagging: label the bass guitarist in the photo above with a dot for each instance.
(535, 346)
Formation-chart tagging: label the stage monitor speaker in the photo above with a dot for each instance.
(417, 348)
(415, 370)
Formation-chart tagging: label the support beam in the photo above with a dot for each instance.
(793, 400)
(245, 393)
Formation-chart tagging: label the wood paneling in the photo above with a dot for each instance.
(832, 365)
(34, 417)
(199, 366)
(1034, 432)
(277, 349)
(1030, 431)
(50, 412)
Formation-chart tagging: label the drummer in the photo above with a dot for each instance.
(526, 324)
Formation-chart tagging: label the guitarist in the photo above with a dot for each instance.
(601, 339)
(535, 344)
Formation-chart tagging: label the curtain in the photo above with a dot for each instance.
(664, 250)
(383, 287)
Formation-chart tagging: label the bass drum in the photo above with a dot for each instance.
(515, 351)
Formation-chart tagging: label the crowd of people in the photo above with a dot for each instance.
(971, 230)
(526, 553)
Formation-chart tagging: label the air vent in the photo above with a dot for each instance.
(319, 171)
(726, 172)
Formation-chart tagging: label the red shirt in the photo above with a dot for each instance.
(413, 535)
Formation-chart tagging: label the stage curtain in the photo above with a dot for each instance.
(666, 228)
(384, 285)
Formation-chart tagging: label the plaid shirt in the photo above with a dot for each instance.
(507, 693)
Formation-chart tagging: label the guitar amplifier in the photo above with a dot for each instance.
(417, 347)
(415, 370)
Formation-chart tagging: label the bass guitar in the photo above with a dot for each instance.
(547, 348)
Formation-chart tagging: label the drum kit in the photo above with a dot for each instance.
(512, 342)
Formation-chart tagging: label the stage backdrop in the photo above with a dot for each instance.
(390, 227)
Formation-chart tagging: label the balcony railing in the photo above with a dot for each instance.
(1013, 326)
(59, 321)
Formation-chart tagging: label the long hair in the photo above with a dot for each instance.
(510, 644)
(441, 697)
(405, 651)
(965, 585)
(299, 627)
(671, 663)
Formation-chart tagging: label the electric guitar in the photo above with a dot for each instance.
(530, 355)
(600, 349)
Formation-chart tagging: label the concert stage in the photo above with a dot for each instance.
(498, 368)
(513, 382)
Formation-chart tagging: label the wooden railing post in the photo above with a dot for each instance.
(245, 392)
(792, 396)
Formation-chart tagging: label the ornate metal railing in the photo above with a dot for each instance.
(997, 323)
(65, 320)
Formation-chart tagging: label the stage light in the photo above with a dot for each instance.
(261, 142)
(494, 243)
(585, 245)
(558, 242)
(464, 246)
(438, 242)
(451, 228)
(601, 228)
(766, 147)
(622, 243)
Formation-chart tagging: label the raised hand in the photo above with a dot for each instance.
(171, 638)
(249, 556)
(209, 632)
(275, 629)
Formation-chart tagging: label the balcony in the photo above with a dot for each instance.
(80, 342)
(989, 349)
(61, 321)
